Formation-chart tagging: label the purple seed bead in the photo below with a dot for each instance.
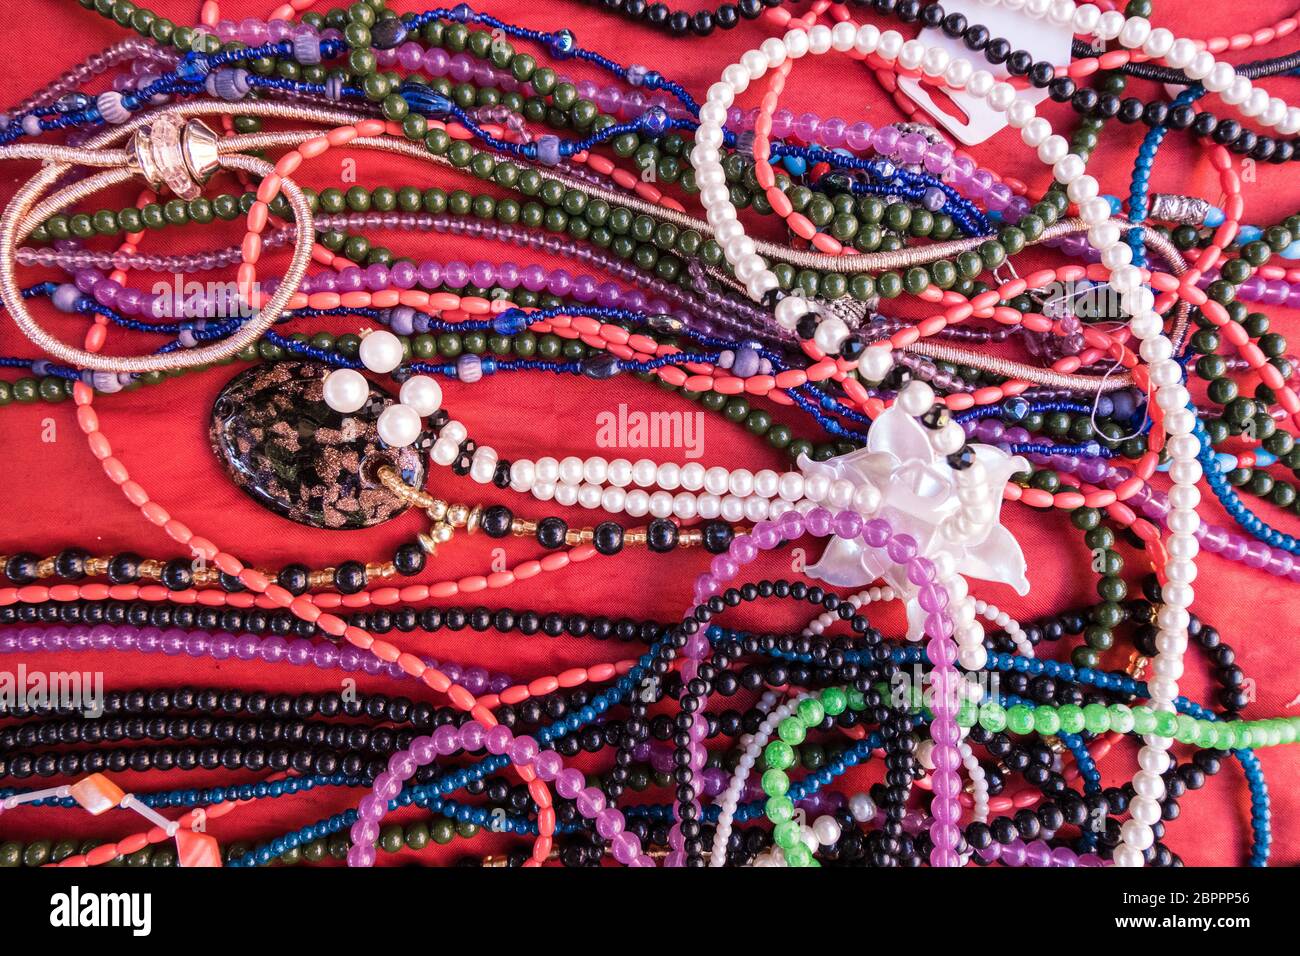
(473, 736)
(626, 847)
(765, 535)
(806, 126)
(403, 275)
(548, 764)
(858, 136)
(847, 524)
(832, 132)
(818, 522)
(885, 140)
(455, 275)
(436, 61)
(508, 275)
(609, 823)
(743, 549)
(534, 278)
(498, 739)
(569, 783)
(912, 147)
(937, 158)
(791, 525)
(876, 532)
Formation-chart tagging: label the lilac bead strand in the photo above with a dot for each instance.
(523, 751)
(941, 649)
(222, 646)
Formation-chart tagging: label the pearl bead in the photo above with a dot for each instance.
(827, 830)
(876, 362)
(1135, 32)
(741, 482)
(774, 50)
(421, 393)
(949, 439)
(891, 44)
(980, 83)
(399, 425)
(346, 390)
(843, 36)
(381, 351)
(796, 43)
(644, 473)
(571, 470)
(717, 480)
(830, 335)
(790, 486)
(958, 73)
(1001, 96)
(866, 499)
(862, 807)
(916, 398)
(911, 55)
(1110, 24)
(668, 476)
(1085, 18)
(868, 39)
(790, 310)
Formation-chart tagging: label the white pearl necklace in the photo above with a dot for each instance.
(346, 390)
(1136, 300)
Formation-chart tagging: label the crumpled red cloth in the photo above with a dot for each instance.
(57, 496)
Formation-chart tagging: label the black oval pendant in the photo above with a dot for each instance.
(297, 457)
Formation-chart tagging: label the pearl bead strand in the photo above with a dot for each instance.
(1136, 300)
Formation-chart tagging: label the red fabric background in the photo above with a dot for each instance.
(56, 496)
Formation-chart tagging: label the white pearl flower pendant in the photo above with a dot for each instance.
(922, 495)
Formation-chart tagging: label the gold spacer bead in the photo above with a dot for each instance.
(475, 516)
(427, 543)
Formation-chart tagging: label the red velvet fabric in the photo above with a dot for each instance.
(57, 496)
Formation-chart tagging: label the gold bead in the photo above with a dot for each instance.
(458, 515)
(427, 543)
(441, 532)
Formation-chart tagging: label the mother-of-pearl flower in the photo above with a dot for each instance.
(918, 496)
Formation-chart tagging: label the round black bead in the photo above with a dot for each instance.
(551, 532)
(178, 574)
(717, 537)
(21, 568)
(70, 564)
(294, 578)
(661, 536)
(350, 577)
(608, 537)
(495, 521)
(409, 559)
(124, 568)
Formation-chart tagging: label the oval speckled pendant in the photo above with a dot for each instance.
(297, 457)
